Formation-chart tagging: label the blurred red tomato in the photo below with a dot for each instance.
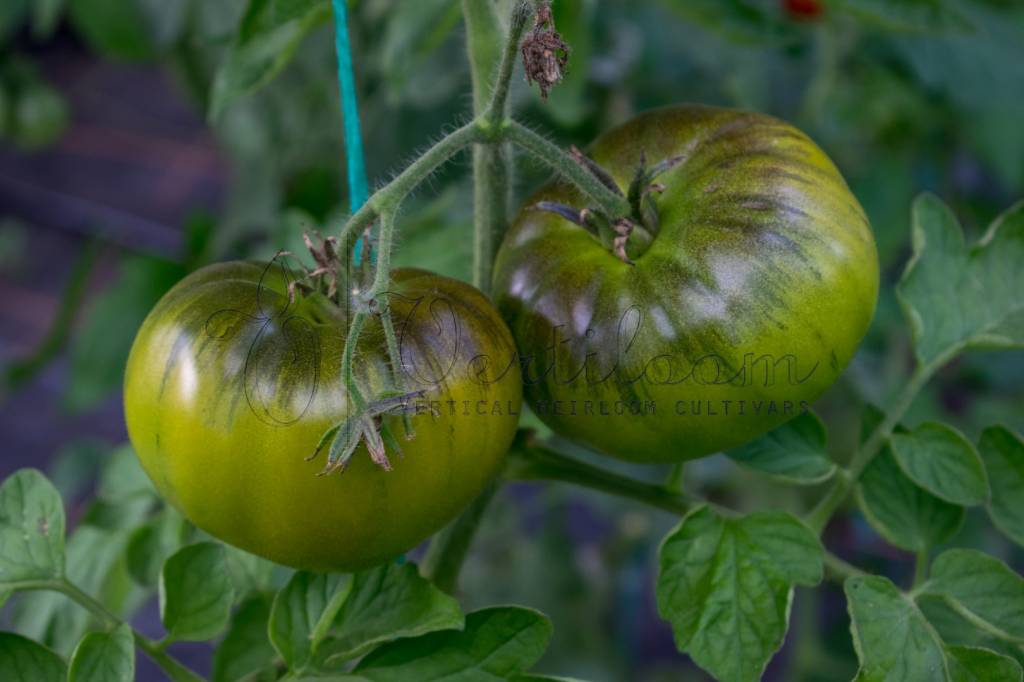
(804, 10)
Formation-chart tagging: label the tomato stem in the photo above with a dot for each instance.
(535, 460)
(175, 670)
(449, 548)
(536, 145)
(841, 485)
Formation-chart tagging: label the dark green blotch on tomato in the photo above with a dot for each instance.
(747, 305)
(230, 386)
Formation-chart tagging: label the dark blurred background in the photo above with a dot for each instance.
(114, 183)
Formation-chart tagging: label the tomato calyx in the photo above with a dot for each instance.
(367, 426)
(625, 236)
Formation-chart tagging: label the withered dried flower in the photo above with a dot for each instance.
(545, 53)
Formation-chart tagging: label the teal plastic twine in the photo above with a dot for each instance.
(358, 191)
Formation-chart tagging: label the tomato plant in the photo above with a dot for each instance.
(230, 386)
(745, 301)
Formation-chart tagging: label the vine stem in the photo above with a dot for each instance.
(489, 130)
(841, 486)
(492, 167)
(449, 548)
(491, 183)
(531, 461)
(538, 146)
(920, 568)
(390, 195)
(170, 665)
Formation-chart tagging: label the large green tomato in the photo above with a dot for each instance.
(752, 297)
(229, 388)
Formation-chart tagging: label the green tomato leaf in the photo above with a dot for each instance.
(245, 649)
(99, 349)
(104, 657)
(982, 589)
(1003, 453)
(76, 467)
(195, 592)
(151, 544)
(113, 28)
(306, 605)
(22, 660)
(31, 528)
(902, 512)
(497, 643)
(957, 297)
(956, 630)
(92, 557)
(123, 477)
(927, 16)
(794, 452)
(972, 664)
(726, 586)
(249, 573)
(270, 33)
(413, 65)
(943, 462)
(892, 638)
(387, 603)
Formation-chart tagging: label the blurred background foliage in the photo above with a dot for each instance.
(904, 95)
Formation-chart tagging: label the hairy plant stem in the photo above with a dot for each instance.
(175, 670)
(492, 168)
(483, 48)
(489, 131)
(612, 204)
(842, 484)
(351, 341)
(492, 174)
(390, 195)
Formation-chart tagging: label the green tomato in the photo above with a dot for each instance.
(230, 386)
(759, 284)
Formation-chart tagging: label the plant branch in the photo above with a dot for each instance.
(537, 462)
(492, 173)
(498, 106)
(449, 548)
(920, 568)
(609, 202)
(354, 329)
(390, 195)
(837, 493)
(839, 569)
(483, 41)
(175, 670)
(492, 170)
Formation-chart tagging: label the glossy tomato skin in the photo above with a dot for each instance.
(229, 387)
(749, 302)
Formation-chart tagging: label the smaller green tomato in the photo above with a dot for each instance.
(230, 385)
